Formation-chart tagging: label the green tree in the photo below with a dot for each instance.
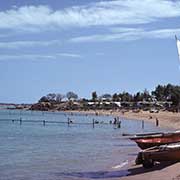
(115, 97)
(159, 93)
(59, 97)
(145, 95)
(138, 97)
(125, 96)
(94, 96)
(43, 99)
(106, 96)
(71, 95)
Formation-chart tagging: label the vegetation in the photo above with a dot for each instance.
(94, 96)
(163, 97)
(72, 96)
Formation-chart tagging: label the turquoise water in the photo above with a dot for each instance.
(56, 151)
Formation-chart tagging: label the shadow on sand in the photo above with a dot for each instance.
(141, 170)
(95, 174)
(115, 174)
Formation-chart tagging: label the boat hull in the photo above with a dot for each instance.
(162, 153)
(150, 141)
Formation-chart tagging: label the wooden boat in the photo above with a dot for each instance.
(142, 134)
(148, 157)
(156, 139)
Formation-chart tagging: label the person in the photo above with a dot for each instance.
(157, 122)
(115, 121)
(118, 122)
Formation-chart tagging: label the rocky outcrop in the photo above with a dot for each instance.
(44, 106)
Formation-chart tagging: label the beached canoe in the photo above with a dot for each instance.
(148, 157)
(156, 139)
(142, 134)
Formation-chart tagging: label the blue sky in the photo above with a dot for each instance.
(84, 46)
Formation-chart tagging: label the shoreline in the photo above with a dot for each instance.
(166, 119)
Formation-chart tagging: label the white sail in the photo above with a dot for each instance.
(178, 46)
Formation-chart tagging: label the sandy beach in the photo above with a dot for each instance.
(165, 171)
(166, 119)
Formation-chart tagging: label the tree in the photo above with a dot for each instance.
(71, 95)
(106, 96)
(115, 97)
(94, 96)
(59, 97)
(146, 95)
(125, 96)
(168, 93)
(51, 97)
(159, 93)
(138, 97)
(43, 99)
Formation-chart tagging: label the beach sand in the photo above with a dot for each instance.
(165, 171)
(166, 119)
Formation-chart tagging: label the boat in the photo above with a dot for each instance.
(150, 156)
(141, 134)
(149, 140)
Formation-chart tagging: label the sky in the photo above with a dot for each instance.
(82, 46)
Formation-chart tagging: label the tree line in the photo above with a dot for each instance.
(165, 93)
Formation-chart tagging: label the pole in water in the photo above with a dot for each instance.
(20, 121)
(68, 121)
(142, 124)
(44, 122)
(157, 122)
(119, 124)
(93, 123)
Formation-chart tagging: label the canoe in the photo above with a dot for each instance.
(147, 141)
(141, 134)
(148, 157)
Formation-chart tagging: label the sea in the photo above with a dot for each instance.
(37, 145)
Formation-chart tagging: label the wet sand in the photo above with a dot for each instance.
(165, 171)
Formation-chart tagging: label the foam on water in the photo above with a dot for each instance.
(119, 166)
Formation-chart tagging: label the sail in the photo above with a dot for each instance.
(178, 46)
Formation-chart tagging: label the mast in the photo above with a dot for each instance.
(178, 46)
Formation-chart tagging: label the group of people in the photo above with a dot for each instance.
(116, 122)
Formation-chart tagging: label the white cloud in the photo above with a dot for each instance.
(128, 34)
(163, 33)
(55, 56)
(25, 57)
(100, 13)
(69, 55)
(22, 44)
